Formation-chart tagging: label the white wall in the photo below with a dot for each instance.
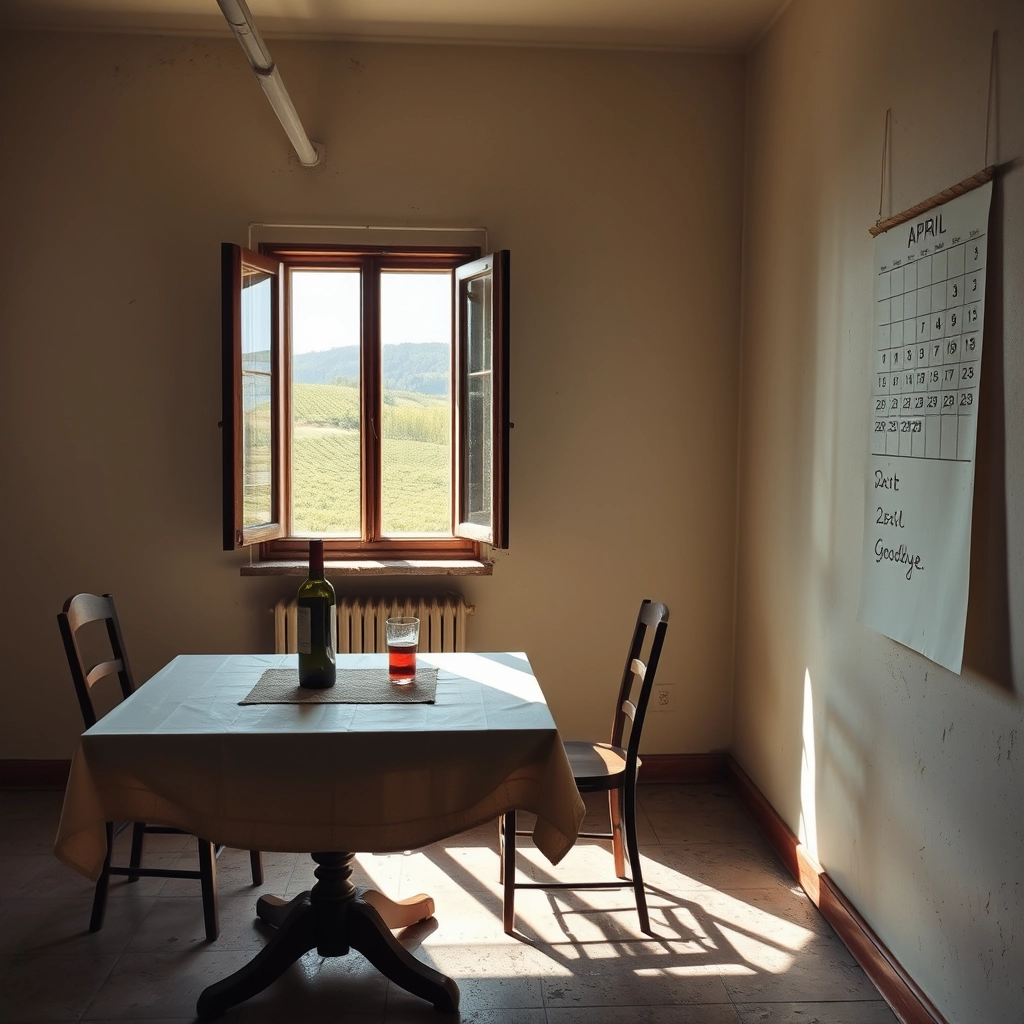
(614, 178)
(904, 779)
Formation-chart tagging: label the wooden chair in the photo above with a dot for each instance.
(78, 612)
(606, 767)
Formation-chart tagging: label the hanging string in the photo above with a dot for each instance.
(885, 154)
(969, 183)
(993, 65)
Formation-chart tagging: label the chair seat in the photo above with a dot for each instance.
(596, 766)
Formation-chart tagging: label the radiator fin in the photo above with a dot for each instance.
(361, 623)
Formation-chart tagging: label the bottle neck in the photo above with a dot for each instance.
(316, 559)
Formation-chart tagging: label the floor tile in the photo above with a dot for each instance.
(875, 1012)
(148, 985)
(62, 926)
(178, 924)
(704, 1013)
(477, 994)
(689, 866)
(592, 984)
(51, 987)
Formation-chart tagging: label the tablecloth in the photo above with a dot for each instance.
(301, 778)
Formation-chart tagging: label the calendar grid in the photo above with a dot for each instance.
(929, 311)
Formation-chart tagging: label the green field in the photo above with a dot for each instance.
(325, 461)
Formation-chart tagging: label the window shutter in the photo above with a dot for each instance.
(253, 382)
(482, 399)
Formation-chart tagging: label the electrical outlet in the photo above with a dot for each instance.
(663, 698)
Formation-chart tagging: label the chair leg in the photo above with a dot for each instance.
(256, 865)
(634, 856)
(99, 900)
(615, 814)
(208, 884)
(501, 847)
(138, 835)
(508, 870)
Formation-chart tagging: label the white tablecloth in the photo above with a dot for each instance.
(309, 777)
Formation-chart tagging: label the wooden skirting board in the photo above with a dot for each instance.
(898, 989)
(33, 774)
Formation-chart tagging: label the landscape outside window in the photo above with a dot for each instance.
(415, 430)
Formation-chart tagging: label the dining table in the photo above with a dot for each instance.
(328, 777)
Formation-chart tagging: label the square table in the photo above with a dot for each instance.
(326, 779)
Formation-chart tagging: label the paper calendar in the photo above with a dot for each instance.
(929, 306)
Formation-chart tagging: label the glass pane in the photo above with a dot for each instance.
(324, 310)
(478, 440)
(257, 469)
(478, 322)
(416, 353)
(257, 309)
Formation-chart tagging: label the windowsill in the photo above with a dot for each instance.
(374, 567)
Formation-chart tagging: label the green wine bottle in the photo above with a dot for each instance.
(317, 625)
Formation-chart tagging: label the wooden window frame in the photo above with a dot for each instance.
(372, 261)
(234, 262)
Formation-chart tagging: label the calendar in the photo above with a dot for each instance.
(929, 314)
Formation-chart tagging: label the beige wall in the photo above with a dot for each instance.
(614, 178)
(903, 778)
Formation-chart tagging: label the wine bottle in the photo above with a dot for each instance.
(317, 624)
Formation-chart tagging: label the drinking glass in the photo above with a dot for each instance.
(403, 634)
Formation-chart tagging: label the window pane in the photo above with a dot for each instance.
(324, 311)
(479, 434)
(479, 438)
(416, 338)
(256, 458)
(478, 323)
(257, 465)
(257, 308)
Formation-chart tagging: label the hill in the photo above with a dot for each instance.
(422, 369)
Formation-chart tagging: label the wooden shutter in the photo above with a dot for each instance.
(482, 399)
(253, 380)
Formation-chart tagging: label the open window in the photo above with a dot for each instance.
(366, 398)
(481, 419)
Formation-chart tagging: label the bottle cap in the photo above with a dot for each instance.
(316, 557)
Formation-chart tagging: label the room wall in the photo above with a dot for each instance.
(903, 779)
(614, 178)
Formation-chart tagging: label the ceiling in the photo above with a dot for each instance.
(708, 25)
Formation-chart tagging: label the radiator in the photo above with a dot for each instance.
(361, 623)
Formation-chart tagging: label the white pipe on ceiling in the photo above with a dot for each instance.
(240, 20)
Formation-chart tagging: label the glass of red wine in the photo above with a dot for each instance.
(403, 636)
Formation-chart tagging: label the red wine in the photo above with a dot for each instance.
(317, 621)
(402, 662)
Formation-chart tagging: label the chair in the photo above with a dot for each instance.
(79, 611)
(606, 767)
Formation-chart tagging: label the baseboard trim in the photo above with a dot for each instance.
(713, 767)
(33, 774)
(898, 989)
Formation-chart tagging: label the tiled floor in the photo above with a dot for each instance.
(736, 941)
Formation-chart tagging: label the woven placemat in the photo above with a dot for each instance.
(354, 686)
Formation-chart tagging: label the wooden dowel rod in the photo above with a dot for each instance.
(973, 182)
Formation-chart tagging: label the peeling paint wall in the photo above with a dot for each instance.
(906, 780)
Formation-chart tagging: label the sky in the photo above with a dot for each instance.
(415, 307)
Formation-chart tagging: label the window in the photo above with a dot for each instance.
(365, 401)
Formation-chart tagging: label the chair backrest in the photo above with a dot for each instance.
(642, 665)
(79, 611)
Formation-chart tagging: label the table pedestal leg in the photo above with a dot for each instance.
(334, 917)
(399, 913)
